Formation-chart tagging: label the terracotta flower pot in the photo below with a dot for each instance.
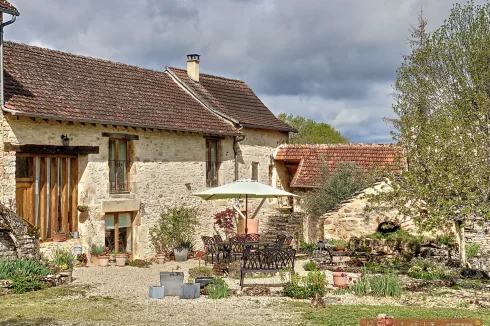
(104, 260)
(59, 237)
(121, 260)
(160, 258)
(94, 259)
(339, 248)
(339, 279)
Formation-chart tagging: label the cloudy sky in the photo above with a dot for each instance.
(333, 61)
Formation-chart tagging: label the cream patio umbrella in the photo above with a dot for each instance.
(245, 188)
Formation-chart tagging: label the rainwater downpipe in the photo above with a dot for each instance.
(236, 140)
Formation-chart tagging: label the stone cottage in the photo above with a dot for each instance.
(301, 167)
(101, 147)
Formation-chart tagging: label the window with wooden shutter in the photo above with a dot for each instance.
(212, 162)
(118, 166)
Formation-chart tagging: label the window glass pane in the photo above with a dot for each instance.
(214, 157)
(112, 149)
(23, 166)
(109, 222)
(124, 220)
(122, 150)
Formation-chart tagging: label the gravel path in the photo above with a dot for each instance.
(131, 285)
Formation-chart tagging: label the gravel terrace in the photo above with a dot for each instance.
(130, 284)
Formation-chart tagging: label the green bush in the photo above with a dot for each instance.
(200, 271)
(337, 242)
(444, 240)
(63, 258)
(310, 266)
(472, 249)
(307, 247)
(304, 287)
(173, 228)
(218, 289)
(426, 269)
(139, 263)
(97, 250)
(387, 285)
(24, 267)
(341, 184)
(23, 284)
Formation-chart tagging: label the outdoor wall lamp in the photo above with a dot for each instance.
(66, 140)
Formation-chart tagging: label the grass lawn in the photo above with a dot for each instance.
(337, 315)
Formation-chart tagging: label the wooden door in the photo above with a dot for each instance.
(24, 197)
(47, 192)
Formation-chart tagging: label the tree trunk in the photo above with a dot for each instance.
(459, 228)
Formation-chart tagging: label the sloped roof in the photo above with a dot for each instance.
(310, 159)
(52, 84)
(7, 7)
(234, 99)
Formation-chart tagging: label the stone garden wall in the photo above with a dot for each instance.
(18, 239)
(351, 219)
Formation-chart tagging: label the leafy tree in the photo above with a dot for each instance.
(346, 180)
(311, 132)
(442, 99)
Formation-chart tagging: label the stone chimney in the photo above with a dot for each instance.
(193, 66)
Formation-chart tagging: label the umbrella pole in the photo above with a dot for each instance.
(246, 215)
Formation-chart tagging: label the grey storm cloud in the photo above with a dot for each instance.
(329, 60)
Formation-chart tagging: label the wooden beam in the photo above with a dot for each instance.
(42, 198)
(51, 149)
(54, 196)
(120, 136)
(64, 195)
(74, 194)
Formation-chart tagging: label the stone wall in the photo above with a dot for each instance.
(166, 169)
(352, 219)
(17, 238)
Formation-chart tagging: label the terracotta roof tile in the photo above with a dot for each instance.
(234, 99)
(7, 7)
(310, 159)
(53, 84)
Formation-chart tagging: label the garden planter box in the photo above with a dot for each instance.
(172, 282)
(190, 291)
(181, 255)
(156, 292)
(204, 280)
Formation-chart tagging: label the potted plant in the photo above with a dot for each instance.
(64, 259)
(226, 221)
(189, 245)
(339, 244)
(339, 277)
(173, 230)
(121, 259)
(82, 260)
(104, 258)
(83, 208)
(59, 236)
(95, 252)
